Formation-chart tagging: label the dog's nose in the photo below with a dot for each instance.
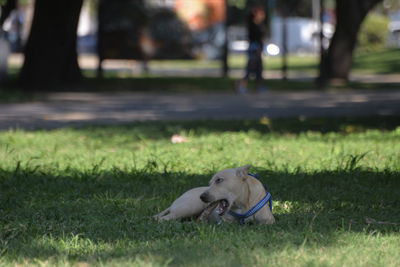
(204, 197)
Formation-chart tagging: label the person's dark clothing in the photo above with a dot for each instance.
(254, 63)
(255, 33)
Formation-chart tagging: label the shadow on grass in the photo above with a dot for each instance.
(106, 215)
(11, 91)
(165, 129)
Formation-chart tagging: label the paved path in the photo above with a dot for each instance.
(76, 109)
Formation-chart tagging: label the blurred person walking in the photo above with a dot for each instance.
(256, 33)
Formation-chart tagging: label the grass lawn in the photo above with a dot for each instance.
(378, 62)
(385, 61)
(382, 62)
(79, 197)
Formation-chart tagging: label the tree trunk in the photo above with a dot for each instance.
(50, 52)
(350, 14)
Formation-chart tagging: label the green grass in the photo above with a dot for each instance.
(378, 62)
(385, 61)
(381, 62)
(306, 63)
(79, 197)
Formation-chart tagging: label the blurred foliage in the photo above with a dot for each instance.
(391, 4)
(330, 3)
(299, 8)
(21, 2)
(373, 34)
(296, 8)
(92, 4)
(241, 4)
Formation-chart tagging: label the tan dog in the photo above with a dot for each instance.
(187, 205)
(239, 192)
(234, 189)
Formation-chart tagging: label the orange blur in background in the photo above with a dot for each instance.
(201, 14)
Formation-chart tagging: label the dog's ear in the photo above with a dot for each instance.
(243, 172)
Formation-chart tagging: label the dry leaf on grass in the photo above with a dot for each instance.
(177, 138)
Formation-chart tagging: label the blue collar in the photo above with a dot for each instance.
(256, 208)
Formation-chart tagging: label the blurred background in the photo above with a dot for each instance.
(70, 41)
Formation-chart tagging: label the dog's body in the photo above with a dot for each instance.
(234, 187)
(187, 205)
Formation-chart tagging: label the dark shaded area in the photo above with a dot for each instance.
(79, 109)
(50, 52)
(337, 63)
(11, 91)
(164, 130)
(133, 30)
(115, 205)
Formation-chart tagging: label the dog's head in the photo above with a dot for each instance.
(226, 186)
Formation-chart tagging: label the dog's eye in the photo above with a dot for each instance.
(218, 180)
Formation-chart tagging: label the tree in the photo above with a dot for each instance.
(50, 52)
(350, 14)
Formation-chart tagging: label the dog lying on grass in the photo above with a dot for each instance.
(231, 193)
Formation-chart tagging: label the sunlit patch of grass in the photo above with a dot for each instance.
(384, 61)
